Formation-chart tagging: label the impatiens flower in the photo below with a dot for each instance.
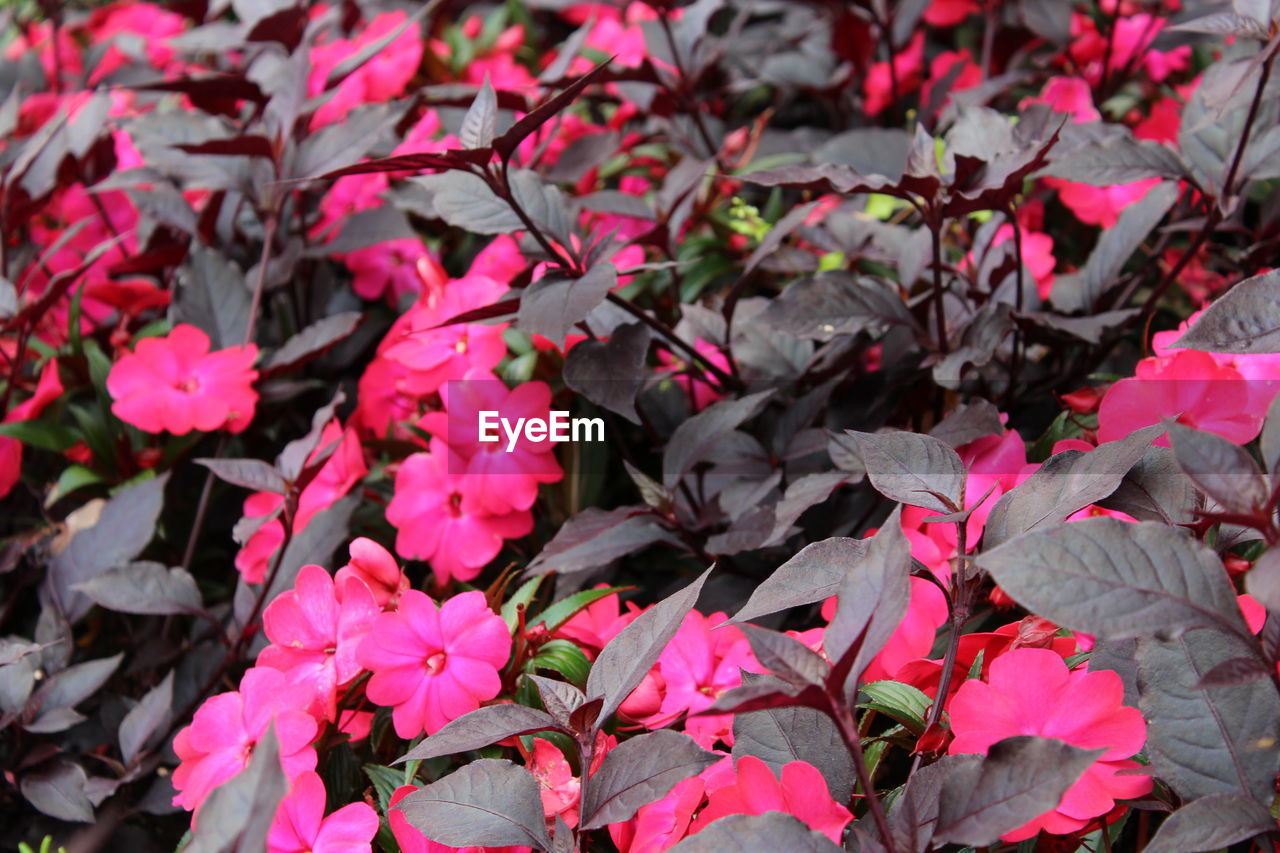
(413, 841)
(377, 569)
(801, 791)
(300, 825)
(440, 519)
(174, 384)
(48, 388)
(225, 729)
(1190, 387)
(382, 77)
(434, 664)
(314, 634)
(502, 476)
(701, 662)
(662, 824)
(1031, 692)
(386, 270)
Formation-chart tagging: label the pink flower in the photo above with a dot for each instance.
(386, 270)
(599, 622)
(957, 62)
(1190, 387)
(908, 64)
(1100, 205)
(381, 78)
(662, 824)
(225, 729)
(48, 388)
(434, 664)
(1070, 95)
(377, 569)
(435, 354)
(413, 841)
(700, 663)
(300, 825)
(948, 13)
(502, 477)
(1031, 692)
(174, 384)
(314, 634)
(801, 791)
(558, 787)
(439, 519)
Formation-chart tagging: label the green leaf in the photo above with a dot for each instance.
(385, 781)
(523, 595)
(46, 436)
(565, 658)
(901, 702)
(565, 609)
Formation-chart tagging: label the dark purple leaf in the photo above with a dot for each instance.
(1244, 670)
(1223, 470)
(249, 146)
(314, 340)
(1020, 779)
(1245, 320)
(213, 297)
(143, 587)
(625, 661)
(1048, 19)
(1155, 489)
(216, 86)
(813, 575)
(913, 469)
(968, 422)
(739, 833)
(252, 474)
(1116, 245)
(506, 144)
(151, 715)
(696, 438)
(1212, 823)
(1117, 160)
(786, 657)
(1211, 740)
(76, 683)
(487, 803)
(1066, 483)
(610, 373)
(596, 537)
(640, 771)
(560, 698)
(1226, 24)
(297, 454)
(778, 736)
(480, 124)
(57, 789)
(828, 304)
(1115, 579)
(479, 729)
(124, 528)
(466, 201)
(872, 600)
(555, 303)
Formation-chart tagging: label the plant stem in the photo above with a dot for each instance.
(940, 316)
(844, 721)
(268, 237)
(202, 508)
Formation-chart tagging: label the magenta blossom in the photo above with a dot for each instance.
(314, 630)
(434, 664)
(440, 519)
(174, 384)
(1031, 692)
(225, 729)
(301, 826)
(377, 569)
(800, 791)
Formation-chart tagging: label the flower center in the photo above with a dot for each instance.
(189, 385)
(455, 504)
(435, 663)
